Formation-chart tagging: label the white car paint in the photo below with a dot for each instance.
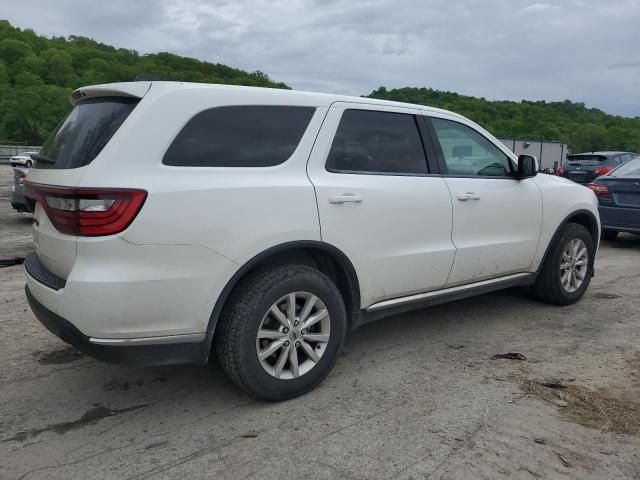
(399, 236)
(200, 225)
(23, 159)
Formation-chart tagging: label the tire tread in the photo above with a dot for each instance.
(547, 286)
(237, 314)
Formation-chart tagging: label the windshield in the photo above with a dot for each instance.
(629, 169)
(586, 160)
(80, 137)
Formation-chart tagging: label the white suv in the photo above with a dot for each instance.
(175, 221)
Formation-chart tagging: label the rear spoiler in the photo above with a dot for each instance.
(124, 89)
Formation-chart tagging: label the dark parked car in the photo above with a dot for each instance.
(585, 167)
(618, 195)
(17, 197)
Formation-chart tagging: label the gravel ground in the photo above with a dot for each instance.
(412, 396)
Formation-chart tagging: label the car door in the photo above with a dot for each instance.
(496, 218)
(378, 202)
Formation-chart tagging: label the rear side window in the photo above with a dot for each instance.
(80, 137)
(239, 136)
(368, 141)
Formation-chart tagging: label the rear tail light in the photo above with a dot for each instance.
(599, 189)
(602, 170)
(88, 212)
(560, 171)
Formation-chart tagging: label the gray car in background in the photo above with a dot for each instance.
(585, 167)
(18, 199)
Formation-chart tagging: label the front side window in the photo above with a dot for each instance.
(468, 153)
(240, 136)
(369, 141)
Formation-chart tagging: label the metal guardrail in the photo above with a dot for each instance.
(10, 149)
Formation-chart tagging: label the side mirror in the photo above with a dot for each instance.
(527, 166)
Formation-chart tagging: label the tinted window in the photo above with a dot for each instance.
(239, 136)
(468, 153)
(80, 137)
(370, 141)
(586, 160)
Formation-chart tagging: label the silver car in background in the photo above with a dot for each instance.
(22, 159)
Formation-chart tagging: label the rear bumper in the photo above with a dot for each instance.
(620, 219)
(151, 351)
(117, 290)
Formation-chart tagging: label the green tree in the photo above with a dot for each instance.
(4, 74)
(12, 50)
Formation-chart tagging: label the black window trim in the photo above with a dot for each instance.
(441, 163)
(427, 149)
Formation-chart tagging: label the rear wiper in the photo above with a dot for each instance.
(41, 158)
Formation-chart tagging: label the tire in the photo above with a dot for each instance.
(609, 235)
(248, 310)
(549, 287)
(29, 163)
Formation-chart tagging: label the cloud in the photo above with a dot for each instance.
(584, 50)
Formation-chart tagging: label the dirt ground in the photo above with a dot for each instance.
(413, 396)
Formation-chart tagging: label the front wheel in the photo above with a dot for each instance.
(568, 267)
(282, 329)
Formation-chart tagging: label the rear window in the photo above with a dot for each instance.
(239, 136)
(586, 160)
(629, 169)
(80, 137)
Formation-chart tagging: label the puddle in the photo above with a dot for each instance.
(605, 295)
(90, 417)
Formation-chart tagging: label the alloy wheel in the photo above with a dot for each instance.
(574, 265)
(293, 335)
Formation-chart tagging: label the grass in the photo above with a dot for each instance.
(590, 408)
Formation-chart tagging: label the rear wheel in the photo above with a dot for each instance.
(568, 267)
(609, 234)
(29, 163)
(281, 331)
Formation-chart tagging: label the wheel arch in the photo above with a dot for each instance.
(325, 257)
(587, 219)
(582, 217)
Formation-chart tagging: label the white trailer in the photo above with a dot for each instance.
(550, 154)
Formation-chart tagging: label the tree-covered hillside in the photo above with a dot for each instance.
(37, 74)
(584, 129)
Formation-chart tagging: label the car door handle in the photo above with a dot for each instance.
(463, 197)
(345, 198)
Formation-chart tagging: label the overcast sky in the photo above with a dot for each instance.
(584, 50)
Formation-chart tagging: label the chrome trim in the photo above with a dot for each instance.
(438, 293)
(169, 339)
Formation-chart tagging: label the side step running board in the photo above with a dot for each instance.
(420, 300)
(471, 288)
